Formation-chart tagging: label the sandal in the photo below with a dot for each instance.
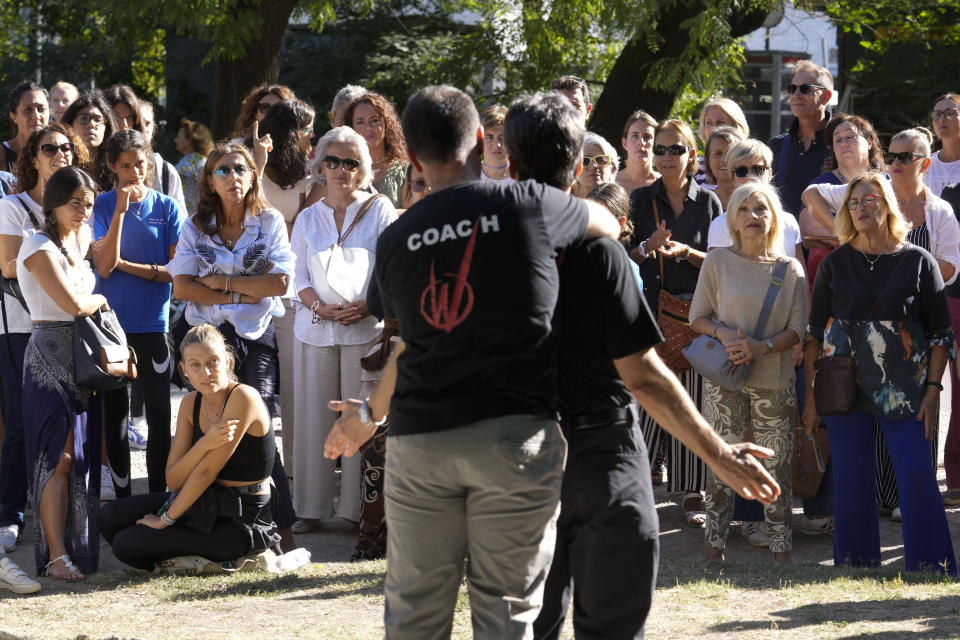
(693, 510)
(74, 573)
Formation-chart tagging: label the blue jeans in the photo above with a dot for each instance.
(856, 539)
(13, 457)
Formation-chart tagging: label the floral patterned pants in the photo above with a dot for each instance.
(772, 414)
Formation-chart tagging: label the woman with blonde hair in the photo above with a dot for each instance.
(734, 283)
(881, 301)
(716, 113)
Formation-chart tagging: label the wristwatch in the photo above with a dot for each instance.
(769, 344)
(167, 520)
(366, 416)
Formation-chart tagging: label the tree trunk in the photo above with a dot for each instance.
(624, 91)
(259, 64)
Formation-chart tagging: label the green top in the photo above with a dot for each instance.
(392, 183)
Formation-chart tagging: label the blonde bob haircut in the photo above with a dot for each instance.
(731, 109)
(748, 152)
(774, 240)
(682, 129)
(896, 224)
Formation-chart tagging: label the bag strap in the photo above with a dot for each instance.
(165, 177)
(776, 283)
(656, 219)
(853, 348)
(6, 328)
(33, 218)
(362, 212)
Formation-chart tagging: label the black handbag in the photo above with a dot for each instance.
(11, 286)
(101, 357)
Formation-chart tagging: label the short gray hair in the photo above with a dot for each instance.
(342, 135)
(346, 95)
(592, 138)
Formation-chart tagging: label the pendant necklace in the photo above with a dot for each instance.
(210, 420)
(871, 262)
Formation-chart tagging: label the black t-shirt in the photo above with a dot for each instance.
(602, 317)
(470, 274)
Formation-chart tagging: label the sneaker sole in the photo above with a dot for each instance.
(24, 590)
(816, 532)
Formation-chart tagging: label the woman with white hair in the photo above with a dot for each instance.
(335, 242)
(600, 162)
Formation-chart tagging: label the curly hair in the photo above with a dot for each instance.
(865, 129)
(209, 216)
(284, 122)
(248, 108)
(394, 144)
(97, 166)
(27, 174)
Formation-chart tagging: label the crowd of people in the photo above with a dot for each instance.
(479, 319)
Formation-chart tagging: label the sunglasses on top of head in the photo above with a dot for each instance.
(804, 88)
(50, 150)
(905, 157)
(743, 171)
(349, 164)
(673, 149)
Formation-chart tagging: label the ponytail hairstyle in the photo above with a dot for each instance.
(58, 191)
(206, 333)
(129, 140)
(920, 137)
(27, 174)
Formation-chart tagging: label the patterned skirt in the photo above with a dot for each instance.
(53, 408)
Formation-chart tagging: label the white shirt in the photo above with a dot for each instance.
(313, 237)
(941, 223)
(719, 235)
(263, 244)
(174, 184)
(15, 221)
(940, 174)
(80, 277)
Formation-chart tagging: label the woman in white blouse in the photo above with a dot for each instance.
(335, 242)
(232, 264)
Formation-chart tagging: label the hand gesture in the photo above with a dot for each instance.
(261, 147)
(738, 468)
(128, 194)
(349, 431)
(671, 249)
(153, 521)
(353, 312)
(659, 237)
(218, 435)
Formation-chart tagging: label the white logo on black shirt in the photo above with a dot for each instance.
(462, 229)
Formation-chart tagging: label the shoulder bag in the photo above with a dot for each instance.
(348, 270)
(101, 357)
(11, 286)
(710, 359)
(673, 318)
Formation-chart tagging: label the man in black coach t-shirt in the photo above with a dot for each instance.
(607, 534)
(476, 454)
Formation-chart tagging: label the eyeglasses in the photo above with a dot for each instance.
(50, 150)
(86, 118)
(601, 160)
(263, 107)
(804, 88)
(674, 150)
(757, 170)
(418, 185)
(225, 170)
(307, 131)
(905, 157)
(946, 113)
(867, 200)
(349, 164)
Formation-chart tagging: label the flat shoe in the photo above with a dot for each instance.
(74, 574)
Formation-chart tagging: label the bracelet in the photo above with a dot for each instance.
(235, 298)
(936, 385)
(316, 319)
(716, 328)
(684, 255)
(166, 519)
(156, 271)
(227, 286)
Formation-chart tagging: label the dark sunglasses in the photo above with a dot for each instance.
(757, 170)
(418, 185)
(349, 164)
(263, 107)
(674, 150)
(600, 160)
(50, 150)
(225, 170)
(905, 157)
(804, 88)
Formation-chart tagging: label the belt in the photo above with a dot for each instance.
(594, 419)
(253, 488)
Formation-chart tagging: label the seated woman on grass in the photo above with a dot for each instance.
(218, 471)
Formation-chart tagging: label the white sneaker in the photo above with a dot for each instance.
(135, 436)
(106, 484)
(896, 516)
(14, 579)
(8, 537)
(755, 533)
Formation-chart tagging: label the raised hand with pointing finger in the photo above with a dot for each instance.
(262, 146)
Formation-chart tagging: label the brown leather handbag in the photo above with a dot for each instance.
(673, 318)
(809, 461)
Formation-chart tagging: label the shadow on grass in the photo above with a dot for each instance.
(938, 616)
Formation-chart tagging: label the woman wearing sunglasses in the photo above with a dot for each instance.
(945, 163)
(637, 141)
(46, 150)
(600, 162)
(255, 106)
(92, 118)
(335, 242)
(232, 264)
(671, 220)
(881, 300)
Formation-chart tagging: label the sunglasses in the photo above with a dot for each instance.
(225, 170)
(601, 160)
(946, 113)
(418, 185)
(905, 157)
(804, 88)
(742, 172)
(85, 119)
(263, 107)
(674, 150)
(50, 150)
(865, 201)
(349, 164)
(307, 131)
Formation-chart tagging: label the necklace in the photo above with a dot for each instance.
(841, 176)
(491, 170)
(206, 410)
(869, 261)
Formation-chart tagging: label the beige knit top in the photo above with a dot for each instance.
(731, 290)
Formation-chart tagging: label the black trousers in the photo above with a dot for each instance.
(142, 547)
(154, 368)
(608, 544)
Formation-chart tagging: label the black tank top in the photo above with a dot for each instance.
(253, 458)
